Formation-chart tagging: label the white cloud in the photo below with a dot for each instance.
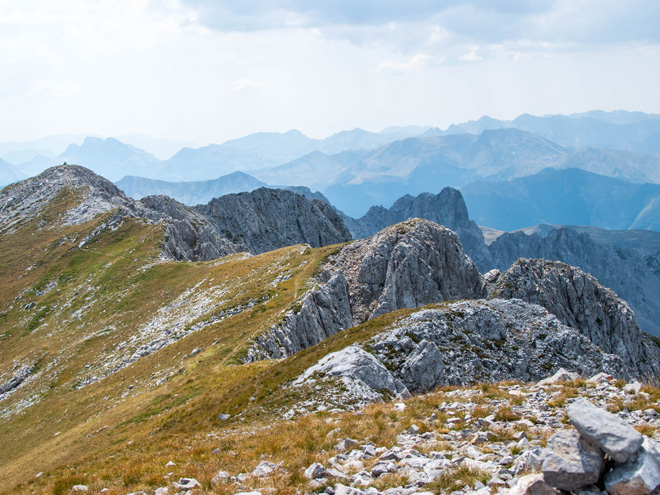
(244, 84)
(471, 57)
(415, 62)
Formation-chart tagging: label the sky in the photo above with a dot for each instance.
(210, 70)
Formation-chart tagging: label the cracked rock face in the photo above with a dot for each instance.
(625, 271)
(267, 219)
(579, 301)
(446, 208)
(479, 341)
(410, 264)
(324, 311)
(405, 266)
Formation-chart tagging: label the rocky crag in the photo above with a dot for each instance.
(446, 208)
(253, 222)
(408, 265)
(579, 301)
(630, 273)
(625, 271)
(539, 315)
(267, 219)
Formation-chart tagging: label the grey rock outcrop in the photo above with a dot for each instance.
(410, 264)
(359, 371)
(407, 265)
(571, 461)
(323, 312)
(470, 342)
(188, 235)
(267, 219)
(446, 208)
(616, 438)
(18, 376)
(579, 301)
(623, 270)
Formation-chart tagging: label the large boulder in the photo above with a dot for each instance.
(615, 437)
(572, 462)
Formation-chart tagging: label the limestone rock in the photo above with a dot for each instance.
(560, 377)
(446, 208)
(267, 219)
(640, 475)
(615, 437)
(220, 477)
(360, 372)
(424, 368)
(187, 484)
(410, 264)
(571, 462)
(625, 271)
(579, 301)
(474, 341)
(532, 484)
(405, 266)
(315, 471)
(263, 469)
(323, 312)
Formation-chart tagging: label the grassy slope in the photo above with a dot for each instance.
(114, 286)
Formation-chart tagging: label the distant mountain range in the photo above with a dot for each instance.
(201, 192)
(257, 152)
(566, 197)
(189, 193)
(633, 131)
(358, 169)
(9, 173)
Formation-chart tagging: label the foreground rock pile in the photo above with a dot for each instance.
(603, 452)
(509, 439)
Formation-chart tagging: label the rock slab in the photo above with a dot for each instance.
(572, 462)
(615, 437)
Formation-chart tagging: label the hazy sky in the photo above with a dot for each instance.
(210, 70)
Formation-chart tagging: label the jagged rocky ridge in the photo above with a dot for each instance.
(410, 264)
(458, 343)
(579, 301)
(626, 271)
(255, 222)
(267, 219)
(446, 208)
(541, 315)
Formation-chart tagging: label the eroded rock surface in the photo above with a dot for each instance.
(410, 264)
(267, 219)
(446, 208)
(479, 341)
(579, 301)
(323, 312)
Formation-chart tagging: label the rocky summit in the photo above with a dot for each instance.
(250, 346)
